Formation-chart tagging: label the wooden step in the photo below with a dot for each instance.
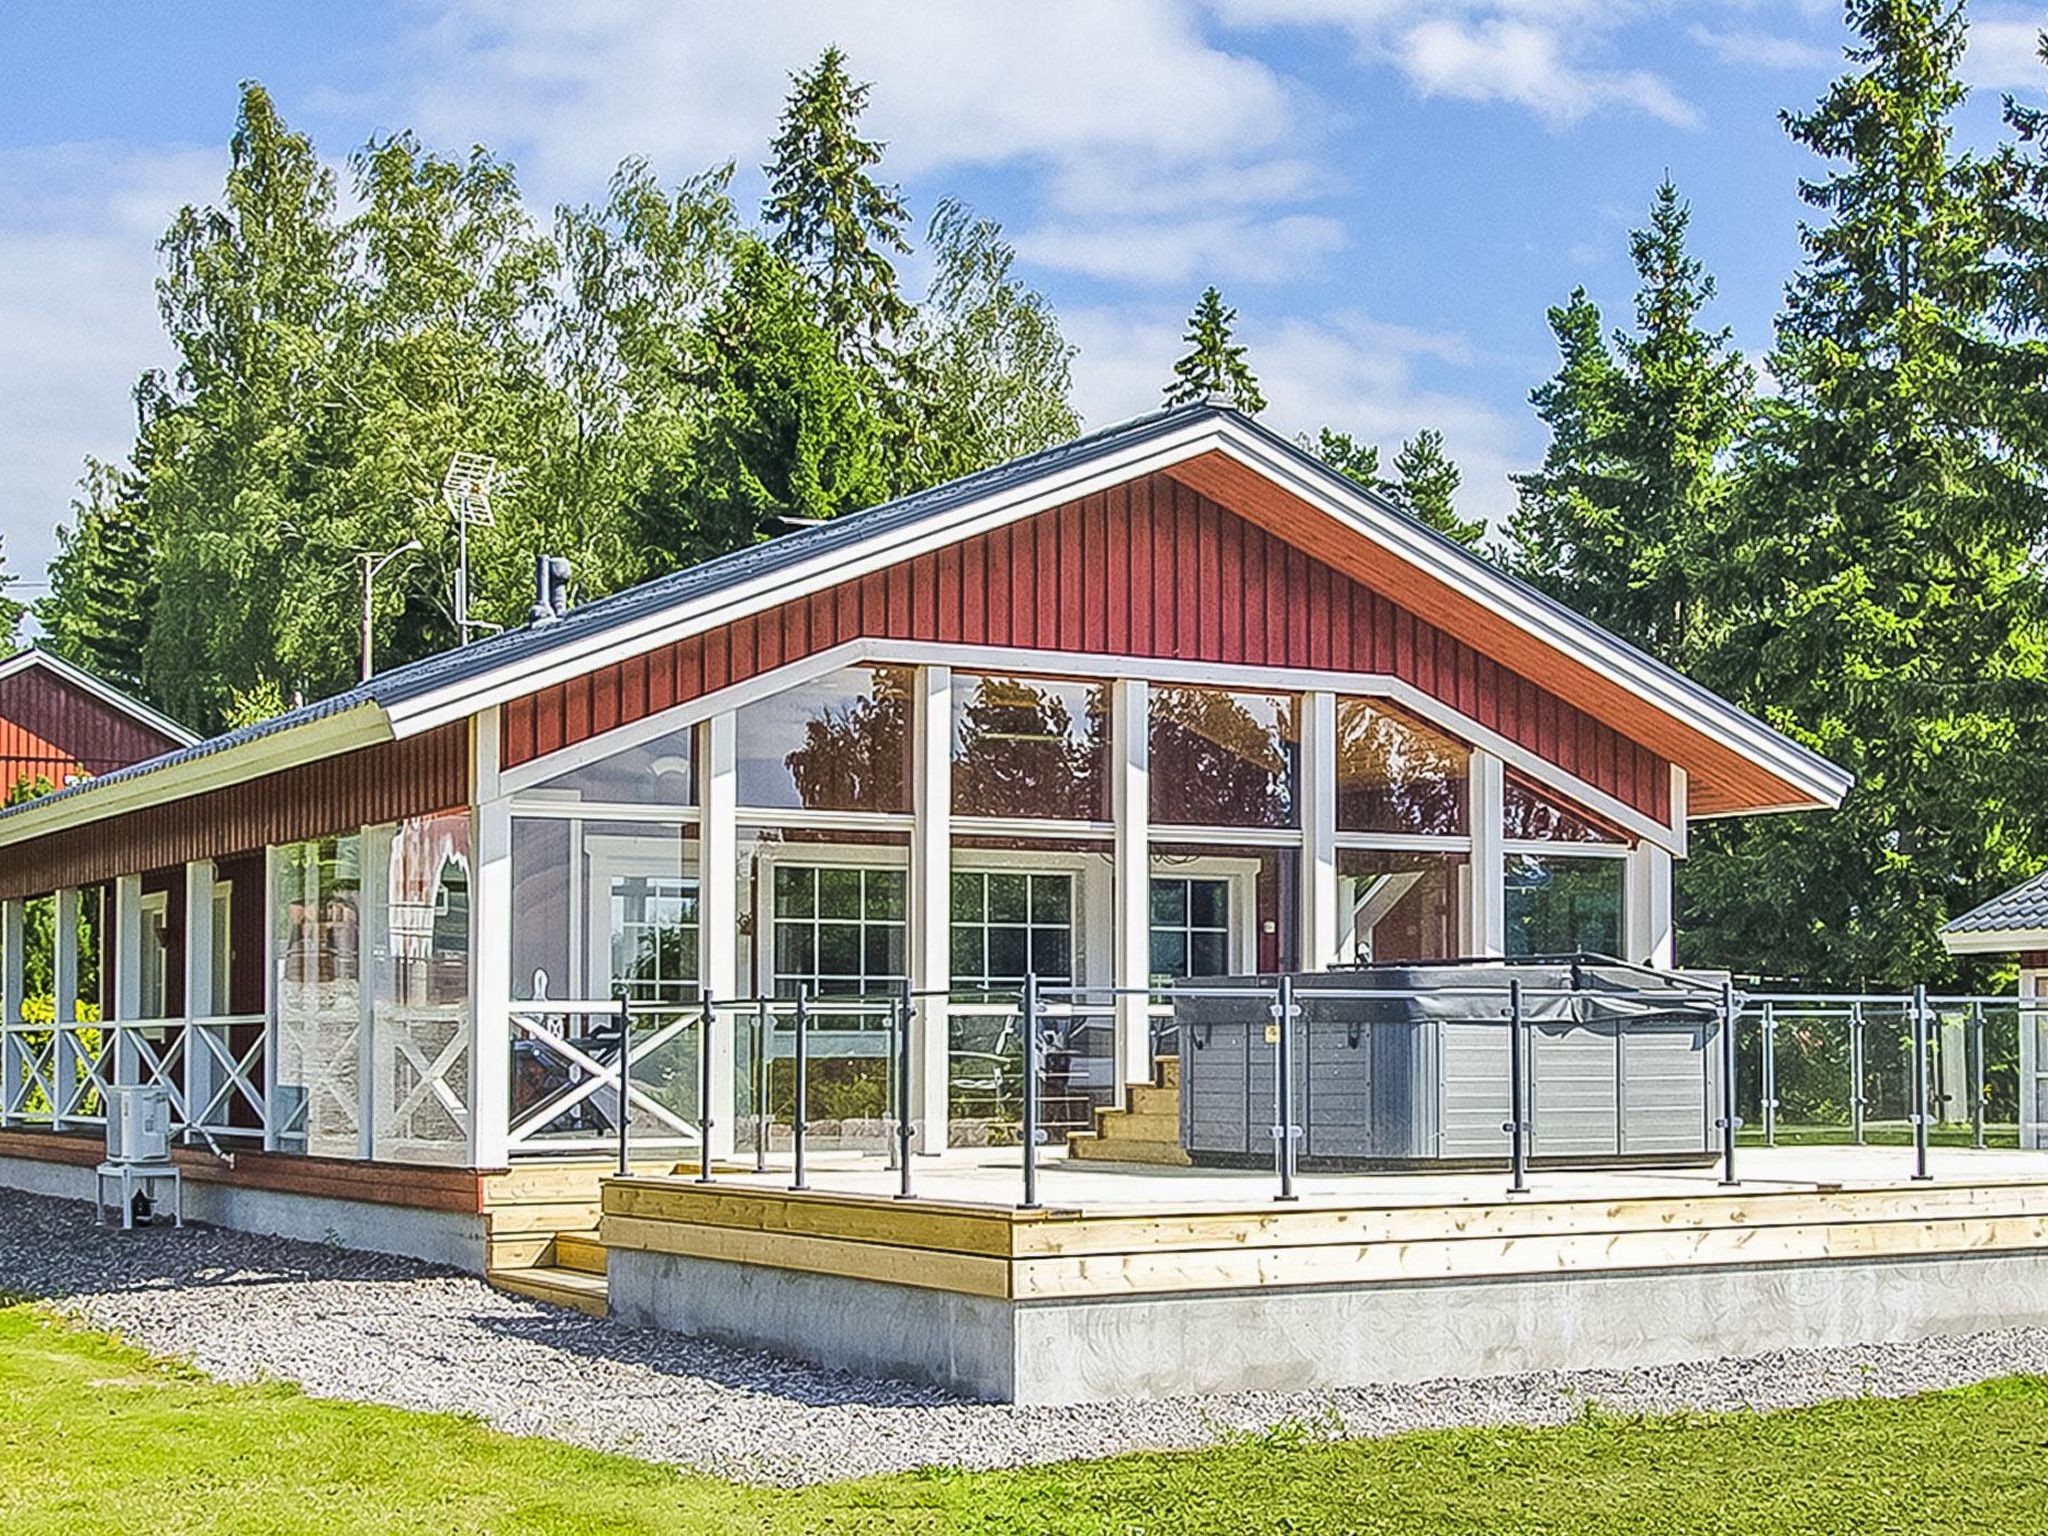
(580, 1251)
(1166, 1072)
(1123, 1125)
(572, 1288)
(548, 1216)
(520, 1250)
(1087, 1147)
(1152, 1099)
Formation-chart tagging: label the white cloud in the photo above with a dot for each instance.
(1172, 251)
(1751, 47)
(1350, 372)
(78, 317)
(2005, 52)
(1544, 55)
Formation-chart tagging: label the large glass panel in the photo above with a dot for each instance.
(1398, 907)
(1535, 815)
(1030, 747)
(1007, 923)
(316, 948)
(1564, 906)
(1218, 910)
(839, 743)
(1222, 759)
(598, 904)
(657, 772)
(1395, 774)
(419, 1000)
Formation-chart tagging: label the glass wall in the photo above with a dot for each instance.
(661, 771)
(1397, 906)
(1223, 910)
(1559, 905)
(1395, 774)
(1030, 747)
(1223, 759)
(1534, 815)
(838, 743)
(317, 952)
(419, 996)
(601, 904)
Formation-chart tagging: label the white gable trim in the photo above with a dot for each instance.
(105, 692)
(1995, 941)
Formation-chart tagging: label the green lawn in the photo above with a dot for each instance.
(97, 1437)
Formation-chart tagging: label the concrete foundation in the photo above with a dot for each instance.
(1309, 1338)
(437, 1237)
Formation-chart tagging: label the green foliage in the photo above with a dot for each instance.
(1879, 593)
(664, 385)
(1215, 364)
(1426, 486)
(1346, 455)
(1623, 520)
(102, 1438)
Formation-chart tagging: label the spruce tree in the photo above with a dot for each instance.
(1884, 603)
(103, 578)
(1214, 364)
(1426, 486)
(828, 216)
(1349, 457)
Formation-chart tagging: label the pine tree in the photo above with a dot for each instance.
(1214, 364)
(828, 216)
(1426, 486)
(1884, 604)
(103, 578)
(1349, 457)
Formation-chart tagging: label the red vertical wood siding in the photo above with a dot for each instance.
(400, 779)
(51, 729)
(1151, 569)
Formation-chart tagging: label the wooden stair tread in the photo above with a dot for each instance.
(580, 1251)
(572, 1288)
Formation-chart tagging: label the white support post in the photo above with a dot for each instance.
(490, 956)
(2033, 1085)
(1486, 915)
(931, 905)
(718, 915)
(375, 972)
(273, 1052)
(1647, 901)
(1130, 747)
(202, 1072)
(64, 967)
(117, 1046)
(1321, 923)
(12, 1087)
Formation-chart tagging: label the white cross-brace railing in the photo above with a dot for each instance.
(547, 1024)
(59, 1075)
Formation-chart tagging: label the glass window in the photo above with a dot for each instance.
(1221, 759)
(599, 904)
(1534, 815)
(317, 940)
(420, 995)
(839, 931)
(1190, 927)
(839, 743)
(1564, 906)
(1399, 907)
(657, 772)
(1010, 922)
(1030, 747)
(1395, 774)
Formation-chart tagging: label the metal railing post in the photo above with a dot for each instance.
(1283, 1087)
(1978, 1074)
(761, 1041)
(704, 1093)
(1768, 1083)
(905, 1131)
(624, 1002)
(796, 1116)
(1517, 1125)
(1730, 1122)
(1029, 1131)
(1857, 1073)
(1920, 1115)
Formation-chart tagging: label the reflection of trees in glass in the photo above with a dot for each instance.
(857, 757)
(1394, 775)
(1564, 906)
(1216, 763)
(1019, 751)
(1531, 815)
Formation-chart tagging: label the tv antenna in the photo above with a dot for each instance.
(466, 490)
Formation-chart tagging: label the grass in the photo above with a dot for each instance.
(96, 1437)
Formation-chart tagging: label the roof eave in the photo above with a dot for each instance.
(1993, 941)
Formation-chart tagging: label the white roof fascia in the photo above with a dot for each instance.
(1994, 941)
(362, 726)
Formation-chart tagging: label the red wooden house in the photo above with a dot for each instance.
(60, 724)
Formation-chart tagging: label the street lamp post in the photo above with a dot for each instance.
(372, 564)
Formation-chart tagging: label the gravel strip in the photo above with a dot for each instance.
(372, 1328)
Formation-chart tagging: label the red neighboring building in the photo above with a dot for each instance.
(60, 723)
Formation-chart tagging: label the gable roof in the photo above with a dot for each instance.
(1197, 443)
(35, 658)
(2016, 919)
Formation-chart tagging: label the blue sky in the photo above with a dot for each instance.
(1390, 191)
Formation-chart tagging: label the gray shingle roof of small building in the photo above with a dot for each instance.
(2022, 909)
